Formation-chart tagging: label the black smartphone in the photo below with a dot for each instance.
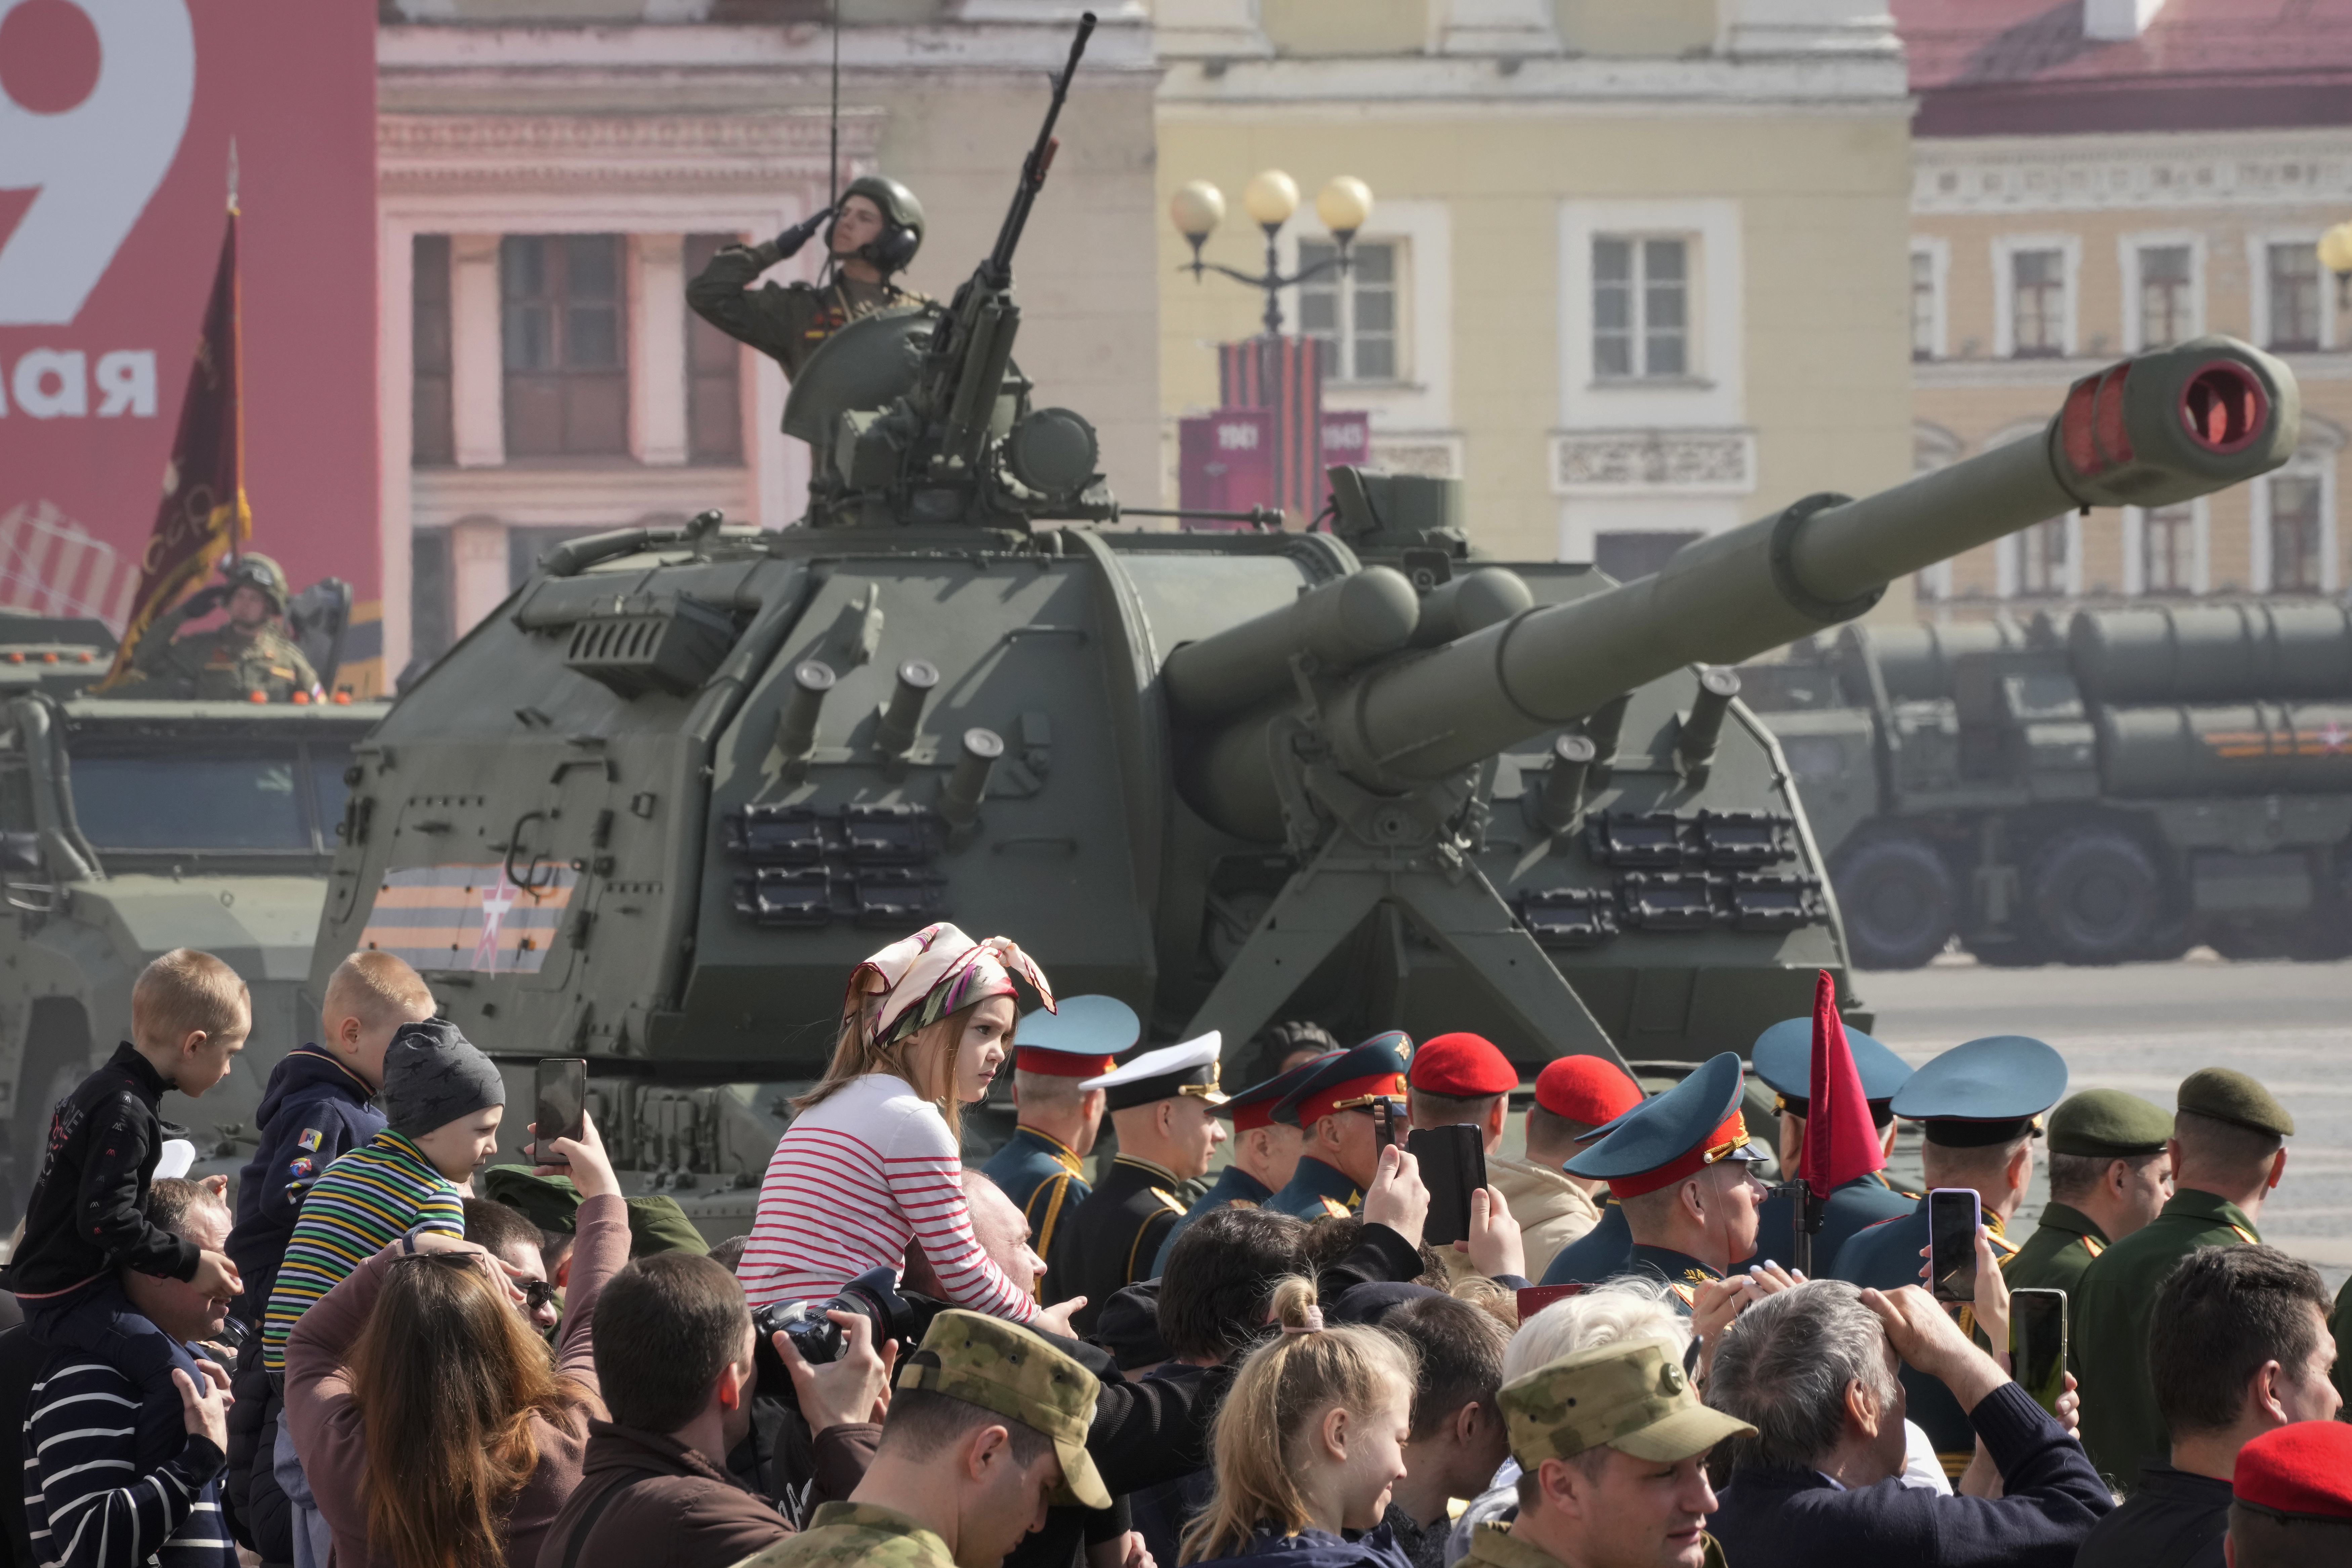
(562, 1105)
(1452, 1166)
(2037, 1344)
(1953, 1215)
(1383, 1123)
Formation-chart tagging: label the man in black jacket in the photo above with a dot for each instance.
(2239, 1346)
(1814, 1369)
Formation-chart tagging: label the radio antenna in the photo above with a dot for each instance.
(833, 156)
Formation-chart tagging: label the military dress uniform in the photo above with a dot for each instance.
(2120, 1425)
(1599, 1254)
(1005, 1369)
(1251, 1108)
(1040, 1175)
(1342, 1083)
(1783, 1057)
(1979, 1093)
(1112, 1240)
(1659, 1143)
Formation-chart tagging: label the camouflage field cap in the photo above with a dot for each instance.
(1631, 1395)
(1003, 1367)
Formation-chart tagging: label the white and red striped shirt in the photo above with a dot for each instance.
(853, 1180)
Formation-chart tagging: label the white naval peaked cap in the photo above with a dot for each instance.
(1189, 1069)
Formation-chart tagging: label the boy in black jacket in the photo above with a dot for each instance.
(316, 1108)
(189, 1016)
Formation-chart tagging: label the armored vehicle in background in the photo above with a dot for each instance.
(654, 808)
(130, 827)
(2115, 788)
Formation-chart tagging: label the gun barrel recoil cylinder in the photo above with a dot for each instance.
(966, 787)
(895, 736)
(1694, 742)
(796, 724)
(1559, 801)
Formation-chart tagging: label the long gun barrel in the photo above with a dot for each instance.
(2152, 431)
(998, 265)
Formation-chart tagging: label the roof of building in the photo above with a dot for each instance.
(2004, 67)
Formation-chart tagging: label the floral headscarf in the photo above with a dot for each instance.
(918, 980)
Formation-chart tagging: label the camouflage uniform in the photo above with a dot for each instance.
(227, 664)
(1633, 1396)
(857, 1532)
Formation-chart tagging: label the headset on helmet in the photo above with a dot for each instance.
(261, 574)
(902, 222)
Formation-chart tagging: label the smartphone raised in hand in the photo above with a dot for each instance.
(563, 1097)
(1452, 1166)
(2037, 1344)
(1384, 1133)
(1953, 1215)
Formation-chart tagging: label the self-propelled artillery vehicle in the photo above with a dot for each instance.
(654, 808)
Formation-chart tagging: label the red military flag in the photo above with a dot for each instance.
(1841, 1142)
(203, 512)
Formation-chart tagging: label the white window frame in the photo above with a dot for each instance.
(1939, 337)
(2200, 555)
(1713, 394)
(1421, 399)
(1343, 285)
(2258, 288)
(2314, 460)
(2004, 290)
(1694, 336)
(2127, 249)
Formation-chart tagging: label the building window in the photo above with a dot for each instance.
(432, 596)
(714, 375)
(1641, 309)
(1923, 304)
(2038, 303)
(567, 378)
(2042, 558)
(2167, 549)
(2298, 564)
(431, 420)
(2167, 310)
(2293, 278)
(1354, 313)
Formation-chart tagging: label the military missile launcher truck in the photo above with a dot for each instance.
(129, 827)
(2119, 788)
(654, 809)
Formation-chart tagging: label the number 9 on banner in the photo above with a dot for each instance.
(94, 98)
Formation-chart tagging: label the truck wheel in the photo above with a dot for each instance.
(1898, 901)
(2096, 898)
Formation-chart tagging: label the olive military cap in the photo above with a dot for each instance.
(2227, 1095)
(2108, 1124)
(1004, 1368)
(1633, 1396)
(552, 1203)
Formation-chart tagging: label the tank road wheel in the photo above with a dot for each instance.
(1898, 901)
(2096, 897)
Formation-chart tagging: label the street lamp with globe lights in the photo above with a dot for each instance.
(1270, 198)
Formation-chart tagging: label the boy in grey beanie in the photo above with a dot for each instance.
(433, 1079)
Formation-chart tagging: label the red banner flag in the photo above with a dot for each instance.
(203, 514)
(1841, 1141)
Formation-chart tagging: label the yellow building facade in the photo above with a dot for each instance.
(1636, 270)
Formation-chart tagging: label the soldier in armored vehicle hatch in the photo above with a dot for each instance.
(247, 658)
(873, 234)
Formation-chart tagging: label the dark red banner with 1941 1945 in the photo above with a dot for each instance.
(118, 118)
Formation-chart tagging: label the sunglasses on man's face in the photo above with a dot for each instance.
(537, 1293)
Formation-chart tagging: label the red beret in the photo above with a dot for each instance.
(1461, 1066)
(2302, 1470)
(1586, 1089)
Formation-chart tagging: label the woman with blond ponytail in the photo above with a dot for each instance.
(1307, 1445)
(870, 1163)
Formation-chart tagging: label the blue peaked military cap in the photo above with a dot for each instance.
(1783, 1057)
(1254, 1106)
(1694, 1124)
(1983, 1091)
(1350, 1080)
(1077, 1041)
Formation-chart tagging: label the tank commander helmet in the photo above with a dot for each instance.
(902, 222)
(261, 573)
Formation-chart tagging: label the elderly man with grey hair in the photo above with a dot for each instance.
(1815, 1370)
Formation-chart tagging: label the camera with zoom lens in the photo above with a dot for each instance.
(873, 1295)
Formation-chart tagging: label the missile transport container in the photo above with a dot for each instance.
(2115, 787)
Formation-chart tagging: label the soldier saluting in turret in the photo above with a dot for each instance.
(873, 234)
(246, 656)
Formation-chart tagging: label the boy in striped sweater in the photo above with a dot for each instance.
(119, 1477)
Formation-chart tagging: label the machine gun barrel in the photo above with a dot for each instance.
(2152, 431)
(998, 265)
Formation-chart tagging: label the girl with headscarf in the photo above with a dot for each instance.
(872, 1163)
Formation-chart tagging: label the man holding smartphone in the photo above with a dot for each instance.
(1679, 1166)
(1333, 1108)
(1979, 1108)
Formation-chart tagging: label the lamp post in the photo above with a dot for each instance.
(1270, 199)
